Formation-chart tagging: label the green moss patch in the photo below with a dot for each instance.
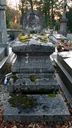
(14, 78)
(33, 78)
(23, 101)
(52, 95)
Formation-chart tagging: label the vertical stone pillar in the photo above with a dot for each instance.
(63, 23)
(3, 31)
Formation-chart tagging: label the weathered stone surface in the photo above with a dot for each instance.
(3, 31)
(64, 66)
(47, 109)
(33, 64)
(49, 76)
(38, 86)
(33, 60)
(66, 62)
(32, 21)
(2, 53)
(33, 48)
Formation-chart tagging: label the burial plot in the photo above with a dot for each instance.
(35, 92)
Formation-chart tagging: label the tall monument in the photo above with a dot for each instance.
(3, 31)
(63, 24)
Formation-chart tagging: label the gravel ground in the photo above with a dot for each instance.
(35, 125)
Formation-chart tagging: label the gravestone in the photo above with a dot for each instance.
(35, 91)
(32, 21)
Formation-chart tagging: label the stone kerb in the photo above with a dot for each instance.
(38, 86)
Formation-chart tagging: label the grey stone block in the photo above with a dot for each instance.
(47, 109)
(34, 65)
(33, 48)
(38, 86)
(38, 75)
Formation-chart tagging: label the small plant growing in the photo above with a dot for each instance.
(14, 78)
(33, 78)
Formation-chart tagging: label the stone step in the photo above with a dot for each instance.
(33, 65)
(38, 86)
(47, 108)
(33, 49)
(37, 75)
(31, 70)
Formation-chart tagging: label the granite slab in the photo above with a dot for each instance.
(33, 65)
(38, 86)
(33, 48)
(47, 109)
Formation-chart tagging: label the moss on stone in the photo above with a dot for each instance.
(33, 78)
(23, 101)
(14, 78)
(52, 95)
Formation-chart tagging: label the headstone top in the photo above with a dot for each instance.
(32, 21)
